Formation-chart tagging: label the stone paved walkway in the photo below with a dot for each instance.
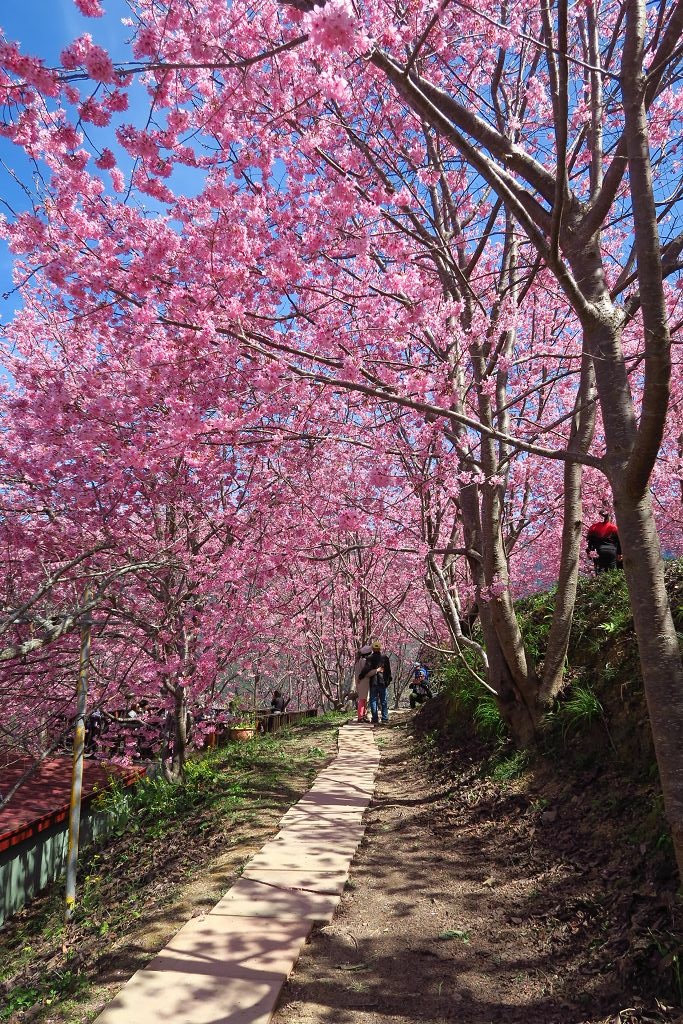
(228, 966)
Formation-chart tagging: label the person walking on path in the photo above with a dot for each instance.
(361, 680)
(603, 539)
(378, 667)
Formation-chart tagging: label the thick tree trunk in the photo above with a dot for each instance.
(173, 759)
(630, 451)
(658, 650)
(180, 750)
(660, 658)
(516, 712)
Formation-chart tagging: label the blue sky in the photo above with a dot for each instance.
(43, 28)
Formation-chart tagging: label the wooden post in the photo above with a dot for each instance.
(77, 770)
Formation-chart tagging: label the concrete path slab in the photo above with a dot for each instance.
(253, 898)
(348, 753)
(306, 879)
(320, 818)
(350, 793)
(340, 835)
(350, 825)
(351, 769)
(340, 802)
(291, 857)
(345, 812)
(291, 842)
(345, 780)
(216, 969)
(315, 800)
(292, 911)
(282, 897)
(321, 821)
(228, 966)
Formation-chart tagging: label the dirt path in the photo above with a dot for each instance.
(456, 910)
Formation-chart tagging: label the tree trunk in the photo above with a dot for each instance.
(658, 650)
(660, 659)
(516, 711)
(517, 683)
(173, 758)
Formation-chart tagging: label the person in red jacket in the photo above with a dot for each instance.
(603, 539)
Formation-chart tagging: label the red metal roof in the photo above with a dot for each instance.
(43, 799)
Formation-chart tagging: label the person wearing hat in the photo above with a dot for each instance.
(378, 668)
(362, 681)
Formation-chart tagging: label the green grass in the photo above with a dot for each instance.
(328, 718)
(214, 782)
(486, 717)
(503, 768)
(472, 708)
(455, 933)
(581, 711)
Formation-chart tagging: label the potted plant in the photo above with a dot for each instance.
(240, 731)
(243, 723)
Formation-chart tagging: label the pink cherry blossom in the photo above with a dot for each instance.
(90, 8)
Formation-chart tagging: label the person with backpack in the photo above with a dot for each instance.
(420, 689)
(378, 670)
(603, 539)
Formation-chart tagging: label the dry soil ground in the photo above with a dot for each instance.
(474, 902)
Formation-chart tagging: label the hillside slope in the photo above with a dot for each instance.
(588, 800)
